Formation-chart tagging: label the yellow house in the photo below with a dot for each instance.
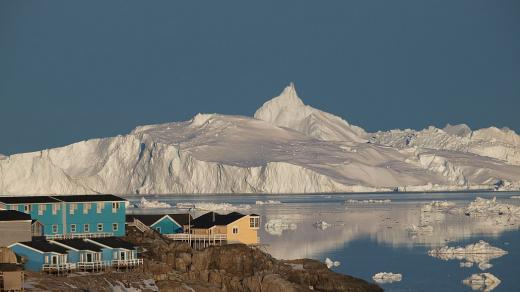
(235, 226)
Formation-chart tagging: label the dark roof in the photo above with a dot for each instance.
(212, 219)
(12, 215)
(89, 198)
(45, 246)
(254, 215)
(80, 244)
(182, 219)
(113, 242)
(27, 200)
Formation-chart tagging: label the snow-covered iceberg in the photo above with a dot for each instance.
(385, 277)
(478, 253)
(288, 147)
(483, 282)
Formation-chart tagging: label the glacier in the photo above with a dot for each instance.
(287, 147)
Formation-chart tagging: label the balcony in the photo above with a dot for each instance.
(78, 235)
(130, 263)
(59, 268)
(93, 266)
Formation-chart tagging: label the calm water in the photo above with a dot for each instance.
(372, 238)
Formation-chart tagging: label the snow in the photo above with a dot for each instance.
(151, 204)
(288, 147)
(2, 156)
(278, 225)
(385, 277)
(479, 253)
(369, 201)
(268, 202)
(330, 263)
(482, 282)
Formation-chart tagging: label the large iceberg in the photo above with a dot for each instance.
(479, 253)
(483, 282)
(288, 147)
(385, 277)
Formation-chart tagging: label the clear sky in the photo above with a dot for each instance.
(73, 70)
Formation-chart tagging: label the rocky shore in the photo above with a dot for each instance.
(175, 266)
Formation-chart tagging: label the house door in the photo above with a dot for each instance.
(122, 256)
(89, 257)
(54, 260)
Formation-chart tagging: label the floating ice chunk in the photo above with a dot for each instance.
(146, 204)
(512, 197)
(482, 281)
(480, 253)
(185, 206)
(466, 264)
(437, 206)
(370, 201)
(330, 263)
(384, 277)
(268, 202)
(322, 225)
(484, 266)
(419, 230)
(277, 226)
(226, 207)
(485, 208)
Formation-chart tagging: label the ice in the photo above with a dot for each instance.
(466, 264)
(482, 282)
(330, 263)
(419, 230)
(485, 266)
(278, 226)
(385, 277)
(479, 253)
(2, 156)
(223, 207)
(369, 201)
(185, 206)
(514, 197)
(268, 202)
(151, 204)
(322, 225)
(288, 147)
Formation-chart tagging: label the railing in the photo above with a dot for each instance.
(127, 263)
(59, 267)
(197, 237)
(78, 235)
(100, 265)
(139, 225)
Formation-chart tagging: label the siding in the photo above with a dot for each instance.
(167, 226)
(14, 231)
(34, 259)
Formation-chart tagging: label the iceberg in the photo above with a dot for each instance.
(384, 277)
(369, 201)
(483, 282)
(278, 226)
(330, 263)
(419, 230)
(466, 264)
(322, 225)
(478, 253)
(223, 207)
(268, 202)
(514, 197)
(146, 204)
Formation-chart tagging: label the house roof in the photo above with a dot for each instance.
(12, 215)
(150, 219)
(80, 244)
(182, 219)
(211, 219)
(45, 246)
(27, 200)
(113, 242)
(89, 198)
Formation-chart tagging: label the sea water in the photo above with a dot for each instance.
(368, 238)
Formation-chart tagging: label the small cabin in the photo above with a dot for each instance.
(164, 224)
(86, 255)
(236, 227)
(120, 253)
(41, 255)
(15, 226)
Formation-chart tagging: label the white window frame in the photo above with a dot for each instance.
(86, 227)
(99, 207)
(73, 228)
(72, 208)
(115, 206)
(98, 227)
(254, 222)
(115, 227)
(41, 209)
(55, 208)
(86, 207)
(54, 228)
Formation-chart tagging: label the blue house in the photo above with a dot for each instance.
(164, 224)
(120, 253)
(73, 216)
(41, 255)
(86, 255)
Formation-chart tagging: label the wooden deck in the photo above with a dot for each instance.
(199, 240)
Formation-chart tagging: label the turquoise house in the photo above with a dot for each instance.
(42, 255)
(164, 224)
(120, 253)
(74, 215)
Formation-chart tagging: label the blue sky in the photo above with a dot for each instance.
(72, 70)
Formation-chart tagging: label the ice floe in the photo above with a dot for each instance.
(330, 263)
(223, 207)
(419, 230)
(478, 253)
(322, 225)
(278, 226)
(151, 204)
(370, 201)
(466, 264)
(514, 197)
(268, 202)
(482, 282)
(384, 277)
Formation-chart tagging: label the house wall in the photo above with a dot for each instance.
(14, 231)
(47, 218)
(34, 260)
(107, 254)
(167, 226)
(245, 234)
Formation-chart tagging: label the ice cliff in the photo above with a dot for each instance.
(288, 147)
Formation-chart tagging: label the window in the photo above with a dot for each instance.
(86, 227)
(13, 207)
(73, 207)
(27, 208)
(55, 208)
(100, 206)
(72, 227)
(158, 229)
(100, 227)
(235, 230)
(41, 209)
(54, 228)
(254, 222)
(115, 206)
(115, 226)
(86, 208)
